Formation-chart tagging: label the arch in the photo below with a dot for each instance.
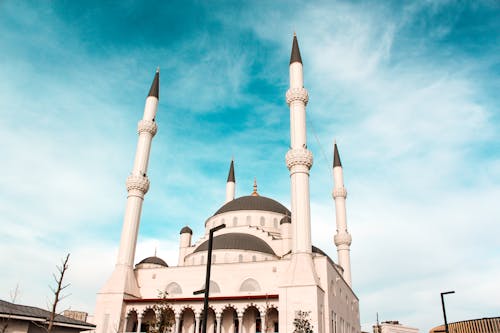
(251, 322)
(211, 321)
(250, 285)
(132, 320)
(187, 319)
(214, 287)
(173, 288)
(148, 319)
(229, 319)
(272, 321)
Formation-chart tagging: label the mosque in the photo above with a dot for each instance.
(265, 271)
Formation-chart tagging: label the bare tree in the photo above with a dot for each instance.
(61, 269)
(4, 322)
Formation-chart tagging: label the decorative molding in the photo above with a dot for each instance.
(297, 94)
(342, 239)
(147, 126)
(339, 192)
(138, 182)
(299, 156)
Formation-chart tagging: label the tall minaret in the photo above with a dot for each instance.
(231, 183)
(300, 278)
(342, 238)
(123, 284)
(299, 159)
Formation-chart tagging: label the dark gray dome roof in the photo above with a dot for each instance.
(186, 229)
(286, 219)
(237, 241)
(251, 202)
(153, 260)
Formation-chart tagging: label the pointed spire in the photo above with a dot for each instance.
(295, 56)
(155, 86)
(254, 193)
(336, 156)
(230, 176)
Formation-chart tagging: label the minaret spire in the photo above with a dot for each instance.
(336, 156)
(295, 56)
(154, 91)
(231, 183)
(123, 283)
(342, 238)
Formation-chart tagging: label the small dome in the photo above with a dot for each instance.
(286, 219)
(153, 260)
(251, 202)
(186, 230)
(237, 241)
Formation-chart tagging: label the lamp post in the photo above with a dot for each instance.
(207, 277)
(444, 311)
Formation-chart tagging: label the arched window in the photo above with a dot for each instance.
(254, 258)
(250, 285)
(214, 287)
(262, 221)
(249, 220)
(235, 221)
(240, 258)
(275, 223)
(173, 288)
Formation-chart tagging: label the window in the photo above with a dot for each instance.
(262, 221)
(254, 258)
(275, 223)
(249, 220)
(250, 285)
(240, 258)
(235, 221)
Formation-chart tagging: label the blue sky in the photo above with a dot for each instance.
(408, 89)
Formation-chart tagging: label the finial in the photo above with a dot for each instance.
(254, 193)
(336, 156)
(155, 86)
(295, 56)
(294, 34)
(155, 251)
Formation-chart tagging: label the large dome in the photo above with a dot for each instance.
(251, 202)
(237, 241)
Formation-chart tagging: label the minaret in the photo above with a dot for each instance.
(342, 239)
(122, 284)
(231, 183)
(299, 159)
(300, 278)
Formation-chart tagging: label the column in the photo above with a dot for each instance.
(139, 323)
(177, 321)
(218, 317)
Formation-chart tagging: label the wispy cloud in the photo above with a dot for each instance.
(405, 88)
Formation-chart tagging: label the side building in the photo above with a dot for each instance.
(265, 270)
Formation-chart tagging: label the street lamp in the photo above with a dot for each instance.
(207, 277)
(444, 311)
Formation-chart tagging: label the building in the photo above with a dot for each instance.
(265, 268)
(15, 318)
(483, 325)
(393, 326)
